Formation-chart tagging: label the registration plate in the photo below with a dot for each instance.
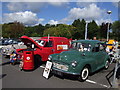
(58, 73)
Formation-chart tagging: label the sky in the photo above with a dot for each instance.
(34, 13)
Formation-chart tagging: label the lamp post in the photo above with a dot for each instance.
(108, 12)
(86, 29)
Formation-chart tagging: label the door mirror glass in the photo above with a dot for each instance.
(33, 46)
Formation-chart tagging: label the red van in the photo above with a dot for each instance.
(45, 46)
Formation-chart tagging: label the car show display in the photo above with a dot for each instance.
(8, 48)
(79, 58)
(28, 60)
(113, 50)
(47, 69)
(84, 58)
(43, 47)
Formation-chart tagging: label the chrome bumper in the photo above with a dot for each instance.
(54, 70)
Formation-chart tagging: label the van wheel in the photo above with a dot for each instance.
(84, 74)
(106, 64)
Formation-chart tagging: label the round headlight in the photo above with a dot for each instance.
(50, 58)
(74, 64)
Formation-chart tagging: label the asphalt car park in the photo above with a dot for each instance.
(12, 77)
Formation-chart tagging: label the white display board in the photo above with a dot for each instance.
(62, 47)
(47, 69)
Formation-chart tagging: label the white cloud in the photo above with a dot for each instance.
(100, 21)
(27, 18)
(39, 0)
(23, 6)
(91, 12)
(32, 6)
(53, 22)
(116, 4)
(58, 0)
(85, 3)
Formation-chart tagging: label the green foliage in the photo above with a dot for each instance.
(92, 30)
(34, 31)
(60, 30)
(75, 31)
(80, 29)
(12, 30)
(116, 30)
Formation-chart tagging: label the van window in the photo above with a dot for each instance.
(49, 44)
(40, 42)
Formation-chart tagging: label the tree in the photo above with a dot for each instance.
(92, 29)
(39, 29)
(60, 31)
(116, 30)
(102, 32)
(13, 30)
(34, 31)
(80, 28)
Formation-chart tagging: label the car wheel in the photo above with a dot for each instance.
(106, 64)
(84, 74)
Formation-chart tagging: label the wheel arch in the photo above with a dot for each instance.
(88, 66)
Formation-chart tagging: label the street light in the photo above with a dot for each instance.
(86, 29)
(108, 12)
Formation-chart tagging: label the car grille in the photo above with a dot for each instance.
(60, 66)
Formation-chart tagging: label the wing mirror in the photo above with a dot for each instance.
(33, 46)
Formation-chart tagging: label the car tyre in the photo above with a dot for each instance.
(84, 74)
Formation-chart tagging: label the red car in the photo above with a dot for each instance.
(45, 46)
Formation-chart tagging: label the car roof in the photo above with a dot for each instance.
(88, 41)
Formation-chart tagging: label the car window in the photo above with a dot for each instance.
(15, 42)
(101, 47)
(96, 48)
(49, 44)
(40, 42)
(81, 46)
(74, 45)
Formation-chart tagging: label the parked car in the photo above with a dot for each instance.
(12, 46)
(85, 57)
(45, 46)
(2, 43)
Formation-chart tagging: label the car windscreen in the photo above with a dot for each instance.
(81, 46)
(40, 42)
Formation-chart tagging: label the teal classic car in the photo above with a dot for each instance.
(85, 57)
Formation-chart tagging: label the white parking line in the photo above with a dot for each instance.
(90, 81)
(93, 82)
(42, 67)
